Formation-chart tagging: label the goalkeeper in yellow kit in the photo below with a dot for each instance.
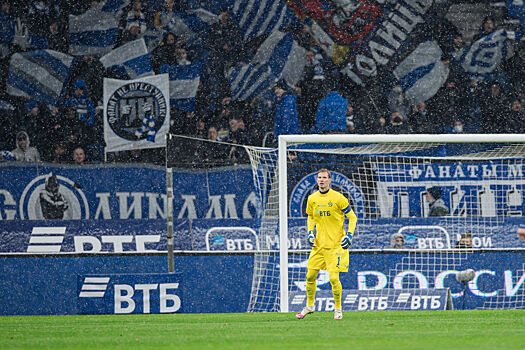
(326, 211)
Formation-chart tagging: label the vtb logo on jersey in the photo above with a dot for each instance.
(345, 21)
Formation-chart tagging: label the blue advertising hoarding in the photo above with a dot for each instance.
(228, 235)
(129, 294)
(222, 282)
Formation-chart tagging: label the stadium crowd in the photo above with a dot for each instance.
(323, 101)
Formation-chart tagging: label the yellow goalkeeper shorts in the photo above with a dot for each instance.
(330, 259)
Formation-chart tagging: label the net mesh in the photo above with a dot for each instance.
(477, 187)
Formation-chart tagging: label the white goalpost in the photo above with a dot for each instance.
(479, 179)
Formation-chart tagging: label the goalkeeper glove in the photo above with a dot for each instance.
(346, 241)
(311, 238)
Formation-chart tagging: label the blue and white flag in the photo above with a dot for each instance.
(131, 58)
(284, 55)
(516, 8)
(40, 75)
(192, 23)
(278, 57)
(258, 17)
(422, 73)
(95, 31)
(250, 80)
(483, 56)
(184, 82)
(136, 113)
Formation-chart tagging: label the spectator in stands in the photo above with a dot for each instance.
(397, 124)
(457, 127)
(354, 121)
(397, 241)
(60, 153)
(312, 88)
(56, 39)
(238, 135)
(450, 101)
(81, 102)
(379, 126)
(35, 122)
(134, 18)
(212, 152)
(8, 125)
(488, 25)
(331, 112)
(521, 233)
(7, 23)
(168, 12)
(92, 72)
(514, 68)
(23, 151)
(515, 119)
(420, 119)
(493, 109)
(465, 241)
(79, 156)
(437, 206)
(67, 128)
(262, 117)
(38, 18)
(182, 56)
(164, 53)
(286, 119)
(224, 43)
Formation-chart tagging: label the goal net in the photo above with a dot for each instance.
(476, 182)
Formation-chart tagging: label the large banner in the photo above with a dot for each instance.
(103, 192)
(136, 113)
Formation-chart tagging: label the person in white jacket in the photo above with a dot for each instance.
(23, 151)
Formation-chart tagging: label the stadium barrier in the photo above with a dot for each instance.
(221, 282)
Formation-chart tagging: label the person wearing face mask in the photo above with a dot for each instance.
(457, 127)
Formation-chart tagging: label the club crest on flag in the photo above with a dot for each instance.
(136, 113)
(131, 104)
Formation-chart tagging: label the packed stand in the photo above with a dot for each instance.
(322, 101)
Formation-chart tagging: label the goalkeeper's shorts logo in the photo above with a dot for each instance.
(340, 182)
(131, 105)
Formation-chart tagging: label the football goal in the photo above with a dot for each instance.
(435, 198)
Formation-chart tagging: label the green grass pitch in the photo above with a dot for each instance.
(504, 329)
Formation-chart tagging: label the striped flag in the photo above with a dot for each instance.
(131, 58)
(484, 55)
(250, 80)
(95, 31)
(184, 82)
(258, 17)
(40, 75)
(421, 74)
(192, 23)
(279, 56)
(516, 8)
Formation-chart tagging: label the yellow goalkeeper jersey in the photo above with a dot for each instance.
(326, 212)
